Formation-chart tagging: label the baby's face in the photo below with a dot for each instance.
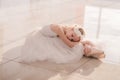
(72, 36)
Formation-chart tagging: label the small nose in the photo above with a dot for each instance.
(79, 38)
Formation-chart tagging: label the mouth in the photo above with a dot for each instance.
(69, 38)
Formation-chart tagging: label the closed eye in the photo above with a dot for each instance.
(73, 35)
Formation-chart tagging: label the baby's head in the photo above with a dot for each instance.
(75, 33)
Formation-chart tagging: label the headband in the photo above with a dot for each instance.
(77, 32)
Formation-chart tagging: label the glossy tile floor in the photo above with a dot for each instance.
(20, 17)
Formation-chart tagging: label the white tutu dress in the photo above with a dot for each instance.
(43, 44)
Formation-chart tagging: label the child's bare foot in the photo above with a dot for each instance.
(96, 53)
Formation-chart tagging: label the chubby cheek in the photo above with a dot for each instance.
(77, 39)
(68, 35)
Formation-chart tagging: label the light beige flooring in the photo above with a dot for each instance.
(20, 17)
(86, 69)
